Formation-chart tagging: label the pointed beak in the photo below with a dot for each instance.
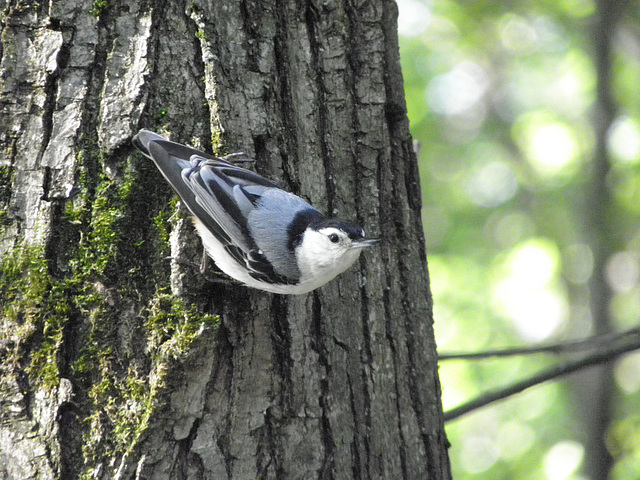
(365, 242)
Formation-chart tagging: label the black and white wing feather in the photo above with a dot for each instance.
(222, 197)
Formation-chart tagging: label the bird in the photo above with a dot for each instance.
(255, 232)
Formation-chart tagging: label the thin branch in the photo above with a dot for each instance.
(554, 372)
(556, 348)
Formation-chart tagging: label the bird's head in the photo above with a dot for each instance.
(328, 247)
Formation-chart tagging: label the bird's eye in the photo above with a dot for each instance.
(334, 237)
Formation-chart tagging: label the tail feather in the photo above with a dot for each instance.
(171, 159)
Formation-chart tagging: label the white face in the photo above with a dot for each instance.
(326, 252)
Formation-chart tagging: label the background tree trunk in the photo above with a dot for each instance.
(117, 363)
(596, 386)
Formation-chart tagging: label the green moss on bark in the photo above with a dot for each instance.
(26, 295)
(75, 313)
(124, 405)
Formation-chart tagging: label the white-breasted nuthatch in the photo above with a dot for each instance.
(255, 232)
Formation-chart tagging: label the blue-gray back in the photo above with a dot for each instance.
(269, 224)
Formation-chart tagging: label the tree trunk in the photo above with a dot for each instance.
(596, 387)
(119, 363)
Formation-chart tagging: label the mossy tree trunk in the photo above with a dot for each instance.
(119, 363)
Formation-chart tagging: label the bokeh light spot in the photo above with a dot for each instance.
(623, 140)
(528, 291)
(563, 459)
(458, 90)
(514, 439)
(550, 145)
(516, 33)
(627, 373)
(493, 184)
(623, 271)
(414, 17)
(479, 453)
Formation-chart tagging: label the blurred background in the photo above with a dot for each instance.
(528, 118)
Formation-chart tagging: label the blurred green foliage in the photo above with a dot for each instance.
(503, 98)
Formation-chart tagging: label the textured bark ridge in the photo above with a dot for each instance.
(117, 363)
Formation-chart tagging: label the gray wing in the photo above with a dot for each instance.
(219, 190)
(222, 196)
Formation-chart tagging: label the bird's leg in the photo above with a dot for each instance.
(209, 274)
(218, 276)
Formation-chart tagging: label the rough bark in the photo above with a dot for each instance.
(117, 363)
